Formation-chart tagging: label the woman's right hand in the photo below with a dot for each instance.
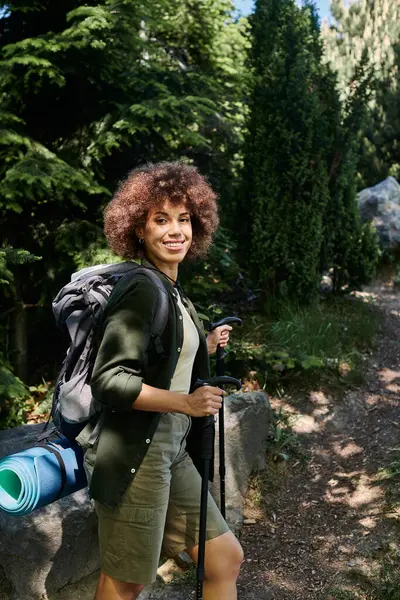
(204, 401)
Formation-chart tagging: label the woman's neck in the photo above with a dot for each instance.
(171, 273)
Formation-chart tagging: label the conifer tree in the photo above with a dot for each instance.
(370, 28)
(350, 249)
(286, 179)
(91, 90)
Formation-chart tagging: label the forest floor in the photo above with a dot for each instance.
(323, 526)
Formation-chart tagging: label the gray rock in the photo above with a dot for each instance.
(247, 424)
(380, 205)
(52, 547)
(52, 553)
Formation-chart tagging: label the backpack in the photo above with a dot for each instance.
(78, 308)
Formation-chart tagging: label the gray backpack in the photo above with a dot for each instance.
(78, 308)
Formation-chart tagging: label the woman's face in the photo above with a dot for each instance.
(167, 234)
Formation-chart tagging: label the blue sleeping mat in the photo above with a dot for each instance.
(40, 475)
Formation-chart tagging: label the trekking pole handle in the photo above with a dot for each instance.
(225, 321)
(216, 381)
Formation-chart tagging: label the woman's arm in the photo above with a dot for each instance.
(157, 400)
(118, 371)
(204, 401)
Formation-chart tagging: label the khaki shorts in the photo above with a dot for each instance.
(159, 512)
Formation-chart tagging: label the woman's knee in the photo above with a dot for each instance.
(223, 557)
(109, 589)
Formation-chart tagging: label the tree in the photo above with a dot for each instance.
(350, 249)
(91, 91)
(285, 172)
(370, 28)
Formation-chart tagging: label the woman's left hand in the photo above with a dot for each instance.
(219, 336)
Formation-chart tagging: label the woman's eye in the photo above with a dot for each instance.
(186, 220)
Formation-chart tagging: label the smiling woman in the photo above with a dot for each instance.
(142, 469)
(148, 189)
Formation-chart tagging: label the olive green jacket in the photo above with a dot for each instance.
(126, 359)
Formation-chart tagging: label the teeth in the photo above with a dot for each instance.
(173, 244)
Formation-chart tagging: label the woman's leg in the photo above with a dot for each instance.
(223, 559)
(111, 589)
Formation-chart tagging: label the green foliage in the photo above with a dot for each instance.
(13, 394)
(283, 443)
(369, 28)
(285, 174)
(84, 242)
(350, 250)
(324, 339)
(89, 91)
(12, 256)
(20, 404)
(210, 280)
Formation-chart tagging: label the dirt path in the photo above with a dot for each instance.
(322, 531)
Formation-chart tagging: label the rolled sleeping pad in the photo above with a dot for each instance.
(40, 475)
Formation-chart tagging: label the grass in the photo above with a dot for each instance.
(188, 577)
(283, 443)
(325, 342)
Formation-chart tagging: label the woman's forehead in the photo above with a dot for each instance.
(171, 209)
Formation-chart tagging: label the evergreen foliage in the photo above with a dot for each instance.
(91, 90)
(286, 179)
(370, 29)
(350, 249)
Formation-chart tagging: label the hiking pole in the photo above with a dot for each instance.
(206, 454)
(221, 418)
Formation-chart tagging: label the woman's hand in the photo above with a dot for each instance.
(205, 401)
(219, 336)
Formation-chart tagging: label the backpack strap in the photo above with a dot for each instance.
(63, 471)
(161, 316)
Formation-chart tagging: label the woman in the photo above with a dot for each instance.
(144, 483)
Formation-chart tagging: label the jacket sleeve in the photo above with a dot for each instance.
(118, 371)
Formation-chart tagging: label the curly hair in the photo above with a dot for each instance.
(148, 187)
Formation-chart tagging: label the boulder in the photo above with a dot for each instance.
(247, 420)
(44, 555)
(380, 205)
(51, 547)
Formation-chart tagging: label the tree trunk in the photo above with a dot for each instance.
(19, 335)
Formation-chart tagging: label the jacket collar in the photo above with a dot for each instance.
(146, 263)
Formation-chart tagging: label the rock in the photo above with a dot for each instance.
(326, 285)
(380, 205)
(54, 546)
(52, 554)
(247, 424)
(183, 560)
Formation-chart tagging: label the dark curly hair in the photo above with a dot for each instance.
(149, 186)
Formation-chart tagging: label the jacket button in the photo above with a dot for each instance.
(179, 349)
(147, 441)
(133, 470)
(180, 316)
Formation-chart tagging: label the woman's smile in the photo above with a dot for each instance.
(175, 246)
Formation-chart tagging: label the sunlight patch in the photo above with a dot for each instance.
(347, 450)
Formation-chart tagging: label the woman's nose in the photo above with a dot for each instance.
(175, 228)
